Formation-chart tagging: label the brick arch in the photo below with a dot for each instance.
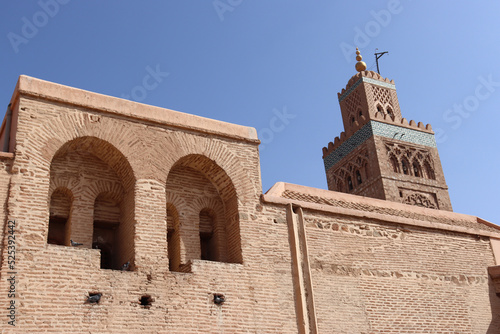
(103, 150)
(180, 146)
(62, 187)
(227, 198)
(91, 167)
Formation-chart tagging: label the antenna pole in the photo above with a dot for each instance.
(377, 56)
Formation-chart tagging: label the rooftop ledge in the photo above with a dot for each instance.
(29, 86)
(379, 210)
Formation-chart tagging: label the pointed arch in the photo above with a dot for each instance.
(416, 168)
(405, 166)
(429, 171)
(359, 180)
(350, 185)
(394, 163)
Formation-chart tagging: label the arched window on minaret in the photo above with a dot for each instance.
(365, 172)
(405, 164)
(340, 186)
(429, 171)
(390, 112)
(417, 170)
(394, 163)
(350, 186)
(380, 109)
(358, 177)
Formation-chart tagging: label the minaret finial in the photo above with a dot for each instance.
(360, 65)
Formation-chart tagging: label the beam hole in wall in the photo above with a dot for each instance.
(94, 298)
(219, 298)
(146, 301)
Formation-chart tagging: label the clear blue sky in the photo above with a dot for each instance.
(243, 61)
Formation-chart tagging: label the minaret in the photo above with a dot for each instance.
(380, 154)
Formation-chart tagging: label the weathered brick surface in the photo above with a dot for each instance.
(160, 181)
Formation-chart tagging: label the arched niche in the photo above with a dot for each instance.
(102, 183)
(207, 209)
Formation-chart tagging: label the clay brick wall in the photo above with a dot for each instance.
(386, 278)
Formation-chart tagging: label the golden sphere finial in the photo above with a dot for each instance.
(360, 65)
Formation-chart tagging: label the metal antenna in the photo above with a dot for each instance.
(377, 56)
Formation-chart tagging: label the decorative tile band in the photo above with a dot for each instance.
(374, 128)
(379, 83)
(368, 80)
(358, 138)
(349, 91)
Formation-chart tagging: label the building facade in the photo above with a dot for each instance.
(121, 217)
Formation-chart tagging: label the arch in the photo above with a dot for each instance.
(405, 166)
(60, 206)
(429, 171)
(103, 150)
(350, 185)
(389, 111)
(359, 180)
(102, 181)
(416, 168)
(380, 109)
(394, 163)
(340, 186)
(201, 182)
(365, 171)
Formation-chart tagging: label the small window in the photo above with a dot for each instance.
(416, 169)
(105, 234)
(395, 165)
(340, 186)
(349, 183)
(207, 240)
(60, 208)
(429, 171)
(404, 164)
(358, 177)
(389, 112)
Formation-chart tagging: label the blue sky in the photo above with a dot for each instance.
(246, 61)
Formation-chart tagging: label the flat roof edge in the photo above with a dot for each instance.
(275, 194)
(74, 96)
